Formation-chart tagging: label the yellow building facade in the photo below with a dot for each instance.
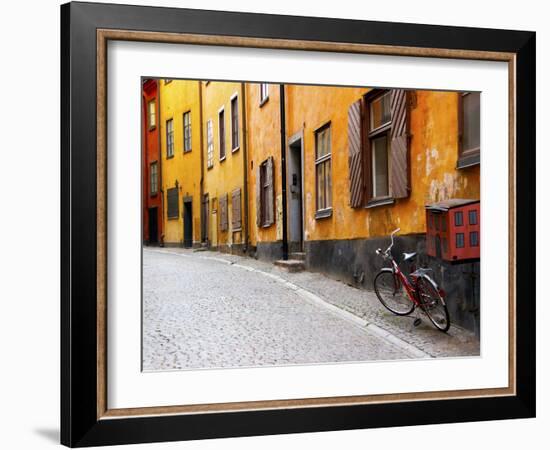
(224, 157)
(181, 161)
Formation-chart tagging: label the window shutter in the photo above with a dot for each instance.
(236, 209)
(399, 176)
(355, 148)
(270, 210)
(258, 196)
(223, 212)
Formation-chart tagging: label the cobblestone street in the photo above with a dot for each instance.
(209, 310)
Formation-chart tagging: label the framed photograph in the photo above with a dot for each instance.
(278, 224)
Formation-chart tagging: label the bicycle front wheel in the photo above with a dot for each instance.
(391, 293)
(433, 304)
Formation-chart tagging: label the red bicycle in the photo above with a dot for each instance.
(401, 294)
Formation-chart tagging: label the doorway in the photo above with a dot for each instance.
(187, 222)
(153, 226)
(295, 194)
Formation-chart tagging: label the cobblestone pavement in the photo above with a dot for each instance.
(208, 309)
(201, 312)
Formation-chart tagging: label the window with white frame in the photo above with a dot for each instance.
(153, 178)
(187, 131)
(169, 138)
(209, 144)
(234, 123)
(323, 171)
(152, 115)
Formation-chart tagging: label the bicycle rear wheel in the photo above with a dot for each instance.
(433, 304)
(391, 293)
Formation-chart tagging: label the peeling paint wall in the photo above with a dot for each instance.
(176, 98)
(433, 158)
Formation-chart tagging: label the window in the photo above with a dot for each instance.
(169, 138)
(378, 145)
(264, 93)
(152, 115)
(469, 126)
(234, 123)
(187, 131)
(459, 240)
(380, 122)
(323, 171)
(221, 127)
(474, 239)
(209, 144)
(459, 221)
(472, 214)
(265, 215)
(153, 179)
(172, 202)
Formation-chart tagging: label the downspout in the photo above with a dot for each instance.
(283, 168)
(245, 167)
(202, 166)
(157, 81)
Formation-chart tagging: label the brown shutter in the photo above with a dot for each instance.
(270, 210)
(399, 176)
(223, 212)
(356, 178)
(236, 209)
(258, 196)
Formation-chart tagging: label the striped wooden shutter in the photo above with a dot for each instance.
(223, 212)
(236, 221)
(355, 148)
(270, 210)
(258, 196)
(399, 176)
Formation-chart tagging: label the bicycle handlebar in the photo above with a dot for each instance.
(387, 251)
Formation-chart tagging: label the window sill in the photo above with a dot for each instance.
(323, 213)
(170, 157)
(468, 161)
(153, 194)
(187, 151)
(210, 167)
(153, 128)
(380, 202)
(173, 218)
(223, 159)
(264, 101)
(235, 230)
(267, 225)
(236, 149)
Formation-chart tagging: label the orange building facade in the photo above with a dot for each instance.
(151, 165)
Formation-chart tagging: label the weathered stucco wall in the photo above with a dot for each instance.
(176, 98)
(225, 175)
(433, 157)
(264, 140)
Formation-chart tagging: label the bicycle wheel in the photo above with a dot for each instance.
(433, 304)
(391, 293)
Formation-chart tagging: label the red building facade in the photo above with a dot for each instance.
(151, 165)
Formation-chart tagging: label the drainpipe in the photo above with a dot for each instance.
(245, 168)
(202, 165)
(283, 168)
(161, 243)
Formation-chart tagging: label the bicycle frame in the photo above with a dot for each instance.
(404, 279)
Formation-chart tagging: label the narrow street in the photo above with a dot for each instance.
(212, 310)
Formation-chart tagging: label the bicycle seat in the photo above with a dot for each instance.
(407, 256)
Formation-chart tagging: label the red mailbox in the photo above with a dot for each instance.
(453, 230)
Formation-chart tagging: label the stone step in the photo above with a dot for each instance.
(291, 265)
(300, 256)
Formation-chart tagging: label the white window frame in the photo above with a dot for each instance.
(209, 144)
(222, 109)
(185, 150)
(152, 123)
(233, 97)
(325, 159)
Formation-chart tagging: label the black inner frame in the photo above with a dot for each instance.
(79, 424)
